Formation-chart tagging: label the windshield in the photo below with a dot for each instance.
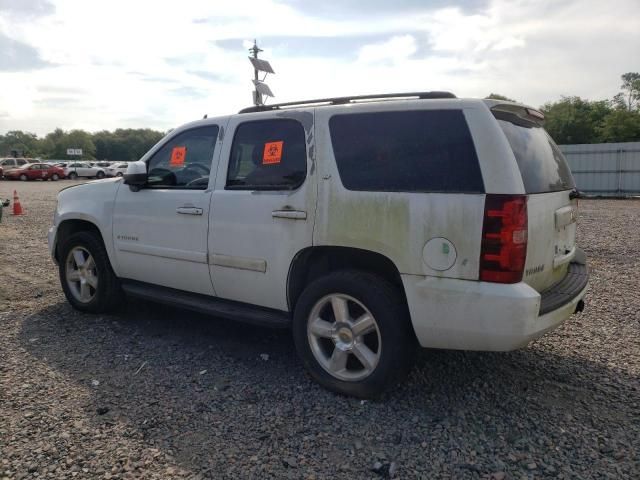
(542, 165)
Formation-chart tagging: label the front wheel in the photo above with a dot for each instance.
(55, 177)
(100, 175)
(73, 175)
(352, 331)
(24, 178)
(86, 275)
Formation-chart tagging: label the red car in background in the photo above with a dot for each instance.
(34, 171)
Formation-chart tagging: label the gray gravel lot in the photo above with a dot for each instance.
(159, 393)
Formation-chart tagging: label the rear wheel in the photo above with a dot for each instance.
(100, 175)
(86, 275)
(119, 174)
(352, 331)
(55, 177)
(73, 175)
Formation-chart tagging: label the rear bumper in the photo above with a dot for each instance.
(472, 315)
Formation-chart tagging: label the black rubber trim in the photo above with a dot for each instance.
(206, 304)
(566, 290)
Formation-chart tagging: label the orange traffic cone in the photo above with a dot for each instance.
(17, 208)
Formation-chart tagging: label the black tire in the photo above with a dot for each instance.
(24, 178)
(73, 175)
(108, 295)
(119, 174)
(386, 304)
(55, 177)
(100, 175)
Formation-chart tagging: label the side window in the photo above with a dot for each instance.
(409, 151)
(184, 161)
(268, 155)
(22, 162)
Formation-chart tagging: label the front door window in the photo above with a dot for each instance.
(184, 162)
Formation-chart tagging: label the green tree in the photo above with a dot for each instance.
(629, 98)
(574, 120)
(620, 125)
(25, 143)
(79, 139)
(125, 144)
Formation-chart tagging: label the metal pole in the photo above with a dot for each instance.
(619, 167)
(257, 97)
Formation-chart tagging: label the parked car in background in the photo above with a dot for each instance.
(103, 164)
(10, 163)
(117, 170)
(1, 173)
(35, 171)
(83, 169)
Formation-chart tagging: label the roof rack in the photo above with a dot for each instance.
(346, 100)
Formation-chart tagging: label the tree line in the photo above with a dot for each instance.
(570, 120)
(122, 144)
(576, 120)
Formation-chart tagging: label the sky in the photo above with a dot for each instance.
(102, 65)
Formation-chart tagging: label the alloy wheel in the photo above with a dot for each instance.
(344, 337)
(81, 274)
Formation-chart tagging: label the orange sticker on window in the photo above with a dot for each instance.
(272, 152)
(178, 155)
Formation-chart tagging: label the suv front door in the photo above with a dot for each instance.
(160, 231)
(263, 207)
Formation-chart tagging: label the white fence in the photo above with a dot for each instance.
(606, 169)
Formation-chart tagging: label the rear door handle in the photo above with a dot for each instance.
(290, 214)
(189, 210)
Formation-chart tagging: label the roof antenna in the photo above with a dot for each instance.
(262, 89)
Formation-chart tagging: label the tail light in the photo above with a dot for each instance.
(504, 238)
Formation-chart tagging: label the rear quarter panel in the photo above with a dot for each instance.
(396, 224)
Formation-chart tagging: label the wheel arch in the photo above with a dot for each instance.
(73, 225)
(314, 262)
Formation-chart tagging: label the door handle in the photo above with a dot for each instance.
(189, 210)
(290, 214)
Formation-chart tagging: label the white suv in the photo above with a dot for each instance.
(75, 170)
(367, 224)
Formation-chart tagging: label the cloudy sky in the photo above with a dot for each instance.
(134, 63)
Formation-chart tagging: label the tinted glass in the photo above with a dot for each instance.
(415, 151)
(268, 155)
(542, 165)
(185, 160)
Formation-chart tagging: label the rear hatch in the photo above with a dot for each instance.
(548, 182)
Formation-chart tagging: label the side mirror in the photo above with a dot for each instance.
(136, 175)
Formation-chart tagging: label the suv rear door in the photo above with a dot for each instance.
(263, 206)
(548, 182)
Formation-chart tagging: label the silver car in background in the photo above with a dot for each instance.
(83, 169)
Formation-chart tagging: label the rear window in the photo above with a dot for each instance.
(409, 151)
(541, 163)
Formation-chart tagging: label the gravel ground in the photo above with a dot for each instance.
(158, 393)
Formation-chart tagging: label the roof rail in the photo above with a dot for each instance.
(346, 100)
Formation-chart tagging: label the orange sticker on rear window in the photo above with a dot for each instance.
(178, 155)
(272, 152)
